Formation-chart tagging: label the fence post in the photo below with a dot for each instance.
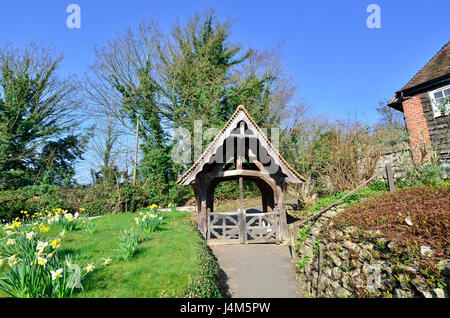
(390, 177)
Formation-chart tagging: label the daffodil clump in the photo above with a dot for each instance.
(172, 207)
(31, 265)
(154, 207)
(128, 243)
(149, 221)
(63, 218)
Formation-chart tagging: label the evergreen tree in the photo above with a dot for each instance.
(37, 139)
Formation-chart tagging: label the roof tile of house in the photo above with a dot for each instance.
(437, 67)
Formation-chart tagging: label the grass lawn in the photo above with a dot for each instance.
(161, 266)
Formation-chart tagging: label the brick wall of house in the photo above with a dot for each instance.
(417, 127)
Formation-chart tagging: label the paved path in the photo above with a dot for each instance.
(257, 270)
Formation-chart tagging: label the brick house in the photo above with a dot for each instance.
(425, 103)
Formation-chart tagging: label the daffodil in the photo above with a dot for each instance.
(41, 245)
(55, 243)
(30, 235)
(10, 242)
(56, 274)
(42, 261)
(63, 233)
(107, 261)
(12, 260)
(90, 268)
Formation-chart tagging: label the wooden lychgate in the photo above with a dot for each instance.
(241, 151)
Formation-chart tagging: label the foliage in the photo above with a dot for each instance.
(206, 285)
(87, 226)
(302, 235)
(425, 174)
(38, 143)
(128, 242)
(149, 221)
(32, 266)
(300, 264)
(230, 190)
(66, 220)
(376, 188)
(167, 80)
(340, 155)
(99, 199)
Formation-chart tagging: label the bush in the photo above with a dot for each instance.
(230, 190)
(96, 200)
(425, 175)
(206, 285)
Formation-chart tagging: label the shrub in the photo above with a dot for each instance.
(206, 285)
(425, 174)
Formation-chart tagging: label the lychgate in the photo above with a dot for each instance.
(242, 151)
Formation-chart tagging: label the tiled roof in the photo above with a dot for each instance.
(200, 160)
(437, 67)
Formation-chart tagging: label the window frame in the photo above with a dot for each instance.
(437, 111)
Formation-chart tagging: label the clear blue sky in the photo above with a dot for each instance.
(340, 66)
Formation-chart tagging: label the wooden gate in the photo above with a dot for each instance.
(241, 227)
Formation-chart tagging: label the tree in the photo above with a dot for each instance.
(169, 80)
(391, 127)
(389, 117)
(38, 139)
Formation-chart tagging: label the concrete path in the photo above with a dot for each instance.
(257, 270)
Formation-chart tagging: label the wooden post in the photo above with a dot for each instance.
(242, 213)
(209, 225)
(390, 177)
(241, 193)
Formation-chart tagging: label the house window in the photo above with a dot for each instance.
(440, 101)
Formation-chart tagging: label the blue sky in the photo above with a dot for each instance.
(340, 66)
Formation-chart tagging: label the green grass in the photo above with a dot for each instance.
(161, 266)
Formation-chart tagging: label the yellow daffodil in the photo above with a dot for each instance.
(107, 261)
(90, 268)
(55, 243)
(42, 261)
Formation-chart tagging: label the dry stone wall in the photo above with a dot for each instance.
(349, 262)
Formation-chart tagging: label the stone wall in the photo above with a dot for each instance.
(353, 263)
(401, 162)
